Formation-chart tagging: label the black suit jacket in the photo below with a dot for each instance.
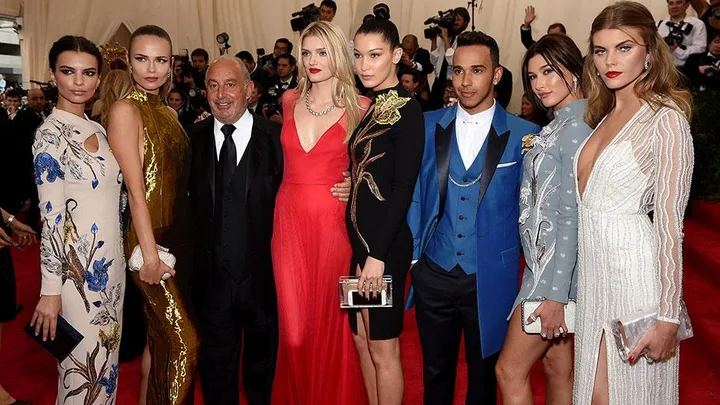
(422, 56)
(22, 131)
(263, 180)
(526, 37)
(691, 69)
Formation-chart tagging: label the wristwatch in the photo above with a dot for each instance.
(10, 220)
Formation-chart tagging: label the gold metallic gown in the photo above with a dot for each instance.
(171, 334)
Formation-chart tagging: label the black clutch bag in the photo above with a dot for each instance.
(66, 339)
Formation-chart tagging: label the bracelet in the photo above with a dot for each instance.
(10, 220)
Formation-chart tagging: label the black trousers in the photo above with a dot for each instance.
(231, 323)
(446, 309)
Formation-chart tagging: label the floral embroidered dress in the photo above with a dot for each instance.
(81, 250)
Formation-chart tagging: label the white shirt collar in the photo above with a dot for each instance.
(288, 81)
(241, 136)
(481, 117)
(244, 121)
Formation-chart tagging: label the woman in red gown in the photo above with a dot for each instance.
(317, 362)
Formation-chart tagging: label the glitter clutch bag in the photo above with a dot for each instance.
(350, 296)
(628, 330)
(135, 262)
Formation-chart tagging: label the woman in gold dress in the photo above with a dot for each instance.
(154, 156)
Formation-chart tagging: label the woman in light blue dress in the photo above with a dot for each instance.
(552, 74)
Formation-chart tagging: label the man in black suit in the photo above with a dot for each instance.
(236, 171)
(24, 125)
(703, 69)
(525, 30)
(415, 57)
(256, 73)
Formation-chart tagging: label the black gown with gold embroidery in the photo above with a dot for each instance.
(386, 151)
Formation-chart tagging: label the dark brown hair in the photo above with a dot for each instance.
(559, 52)
(658, 85)
(154, 31)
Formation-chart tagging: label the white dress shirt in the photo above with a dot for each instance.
(694, 42)
(241, 136)
(471, 132)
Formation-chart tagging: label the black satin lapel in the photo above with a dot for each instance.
(443, 136)
(210, 156)
(257, 148)
(495, 148)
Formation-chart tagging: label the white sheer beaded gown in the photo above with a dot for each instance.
(631, 262)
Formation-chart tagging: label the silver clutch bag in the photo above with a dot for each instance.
(527, 307)
(135, 262)
(351, 298)
(628, 330)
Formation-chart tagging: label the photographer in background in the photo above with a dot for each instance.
(414, 57)
(328, 8)
(257, 74)
(526, 30)
(709, 13)
(200, 58)
(684, 35)
(283, 46)
(442, 49)
(284, 80)
(12, 103)
(703, 69)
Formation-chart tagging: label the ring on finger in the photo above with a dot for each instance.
(533, 317)
(561, 330)
(556, 334)
(543, 334)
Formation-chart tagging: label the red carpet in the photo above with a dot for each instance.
(29, 373)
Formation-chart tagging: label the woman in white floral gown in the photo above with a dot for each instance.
(82, 262)
(638, 160)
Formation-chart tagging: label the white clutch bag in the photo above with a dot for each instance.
(529, 306)
(136, 259)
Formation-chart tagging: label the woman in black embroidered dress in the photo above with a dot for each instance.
(385, 153)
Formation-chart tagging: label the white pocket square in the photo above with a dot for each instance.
(508, 164)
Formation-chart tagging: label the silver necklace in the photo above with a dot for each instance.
(313, 112)
(465, 185)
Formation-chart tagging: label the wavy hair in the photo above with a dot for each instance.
(115, 85)
(344, 95)
(658, 85)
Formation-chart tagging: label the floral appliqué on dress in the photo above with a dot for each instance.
(385, 111)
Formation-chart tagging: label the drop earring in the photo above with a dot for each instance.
(575, 84)
(647, 62)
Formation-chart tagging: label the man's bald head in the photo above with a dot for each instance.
(36, 100)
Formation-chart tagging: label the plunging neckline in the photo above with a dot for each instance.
(600, 155)
(297, 132)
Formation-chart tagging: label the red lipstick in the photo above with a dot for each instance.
(314, 70)
(612, 74)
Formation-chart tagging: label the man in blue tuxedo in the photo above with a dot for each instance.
(464, 218)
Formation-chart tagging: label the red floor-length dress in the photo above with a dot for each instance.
(317, 362)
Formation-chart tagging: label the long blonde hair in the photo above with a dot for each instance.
(115, 85)
(344, 95)
(658, 85)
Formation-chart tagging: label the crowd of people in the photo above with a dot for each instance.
(268, 178)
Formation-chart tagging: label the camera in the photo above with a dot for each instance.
(381, 11)
(273, 107)
(445, 19)
(677, 33)
(306, 16)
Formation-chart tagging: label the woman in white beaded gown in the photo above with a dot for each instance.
(639, 159)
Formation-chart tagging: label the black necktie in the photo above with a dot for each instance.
(228, 155)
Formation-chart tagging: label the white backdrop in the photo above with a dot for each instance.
(253, 24)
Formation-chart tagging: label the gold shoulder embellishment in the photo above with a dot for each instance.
(527, 143)
(137, 95)
(387, 108)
